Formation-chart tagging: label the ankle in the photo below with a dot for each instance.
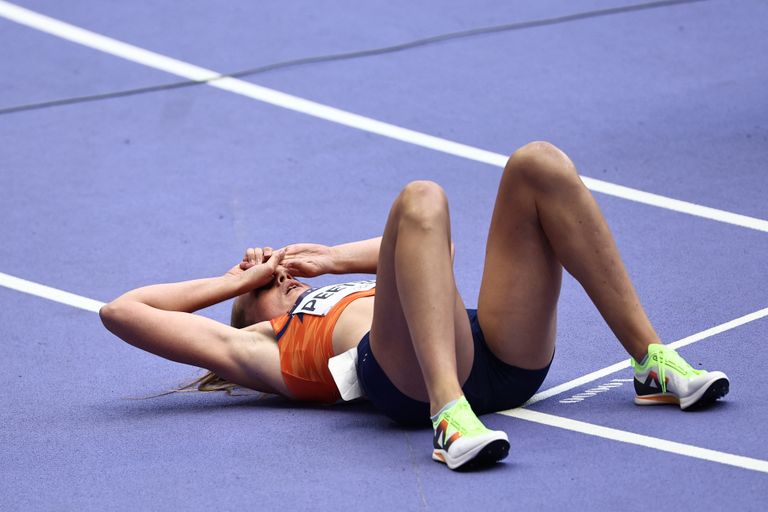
(443, 402)
(448, 405)
(640, 355)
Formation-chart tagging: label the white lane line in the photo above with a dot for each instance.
(87, 304)
(189, 71)
(640, 440)
(668, 203)
(214, 79)
(102, 43)
(46, 292)
(608, 370)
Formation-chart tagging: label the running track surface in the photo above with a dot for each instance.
(102, 195)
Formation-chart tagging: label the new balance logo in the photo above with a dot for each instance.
(441, 432)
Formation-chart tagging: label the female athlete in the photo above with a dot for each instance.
(420, 353)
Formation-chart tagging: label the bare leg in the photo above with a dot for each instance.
(546, 219)
(420, 333)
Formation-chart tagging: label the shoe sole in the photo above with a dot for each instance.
(705, 396)
(483, 456)
(717, 389)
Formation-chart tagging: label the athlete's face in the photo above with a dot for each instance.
(272, 300)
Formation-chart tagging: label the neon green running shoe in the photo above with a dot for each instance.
(462, 441)
(666, 378)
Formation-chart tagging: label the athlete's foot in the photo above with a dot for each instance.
(462, 441)
(666, 378)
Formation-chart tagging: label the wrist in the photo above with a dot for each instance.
(235, 284)
(339, 260)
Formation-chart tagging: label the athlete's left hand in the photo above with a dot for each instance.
(308, 260)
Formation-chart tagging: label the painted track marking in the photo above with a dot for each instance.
(589, 393)
(46, 292)
(189, 71)
(78, 301)
(640, 440)
(608, 370)
(297, 104)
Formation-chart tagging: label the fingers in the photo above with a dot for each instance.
(256, 256)
(253, 256)
(291, 259)
(276, 258)
(246, 263)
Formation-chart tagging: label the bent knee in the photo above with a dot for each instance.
(423, 202)
(542, 165)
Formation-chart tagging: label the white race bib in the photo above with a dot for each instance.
(343, 369)
(319, 301)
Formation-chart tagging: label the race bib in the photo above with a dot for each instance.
(319, 301)
(343, 368)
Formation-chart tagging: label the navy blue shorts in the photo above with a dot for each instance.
(493, 385)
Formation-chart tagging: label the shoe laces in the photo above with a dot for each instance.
(462, 418)
(665, 357)
(661, 365)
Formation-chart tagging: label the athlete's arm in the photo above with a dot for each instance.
(159, 319)
(360, 257)
(311, 260)
(190, 296)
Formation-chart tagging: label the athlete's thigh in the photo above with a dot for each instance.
(390, 339)
(517, 307)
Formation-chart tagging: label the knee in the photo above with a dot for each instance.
(542, 166)
(423, 203)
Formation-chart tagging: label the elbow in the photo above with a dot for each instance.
(107, 313)
(111, 314)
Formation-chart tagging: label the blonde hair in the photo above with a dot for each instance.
(209, 382)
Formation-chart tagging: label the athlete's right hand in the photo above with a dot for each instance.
(256, 256)
(257, 267)
(308, 260)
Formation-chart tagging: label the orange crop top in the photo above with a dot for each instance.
(306, 344)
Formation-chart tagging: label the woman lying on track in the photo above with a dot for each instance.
(420, 353)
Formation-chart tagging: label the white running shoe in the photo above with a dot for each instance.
(462, 442)
(666, 378)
